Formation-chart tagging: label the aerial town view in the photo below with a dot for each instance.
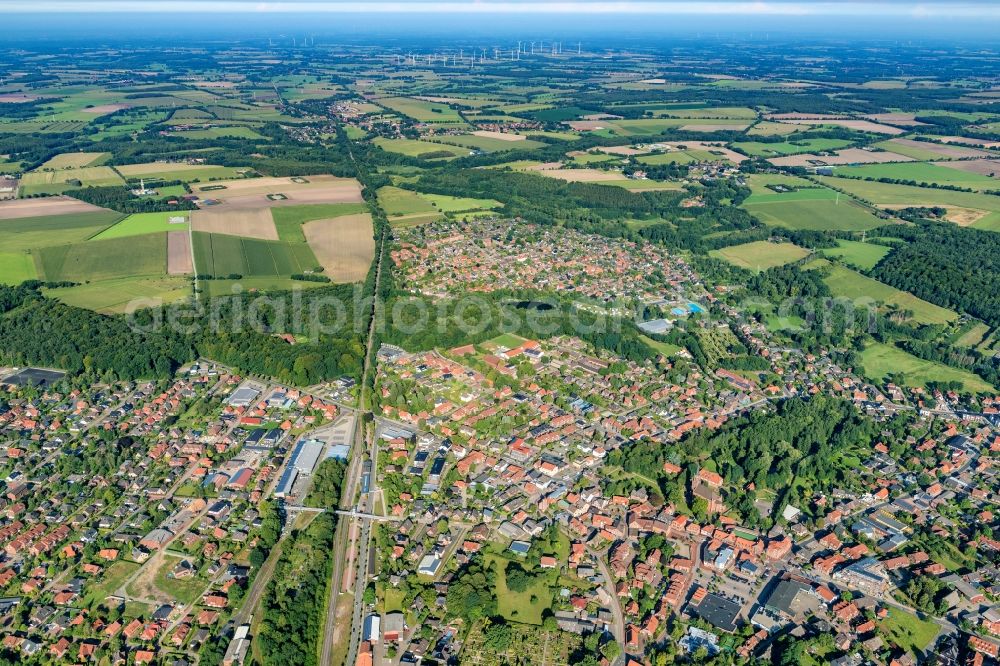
(495, 333)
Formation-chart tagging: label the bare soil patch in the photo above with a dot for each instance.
(582, 175)
(846, 156)
(904, 119)
(16, 98)
(982, 167)
(251, 193)
(860, 125)
(179, 258)
(105, 108)
(251, 223)
(344, 246)
(10, 210)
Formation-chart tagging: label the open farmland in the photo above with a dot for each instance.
(288, 220)
(761, 255)
(74, 161)
(790, 146)
(146, 223)
(581, 175)
(16, 267)
(104, 259)
(818, 210)
(882, 360)
(270, 192)
(344, 246)
(926, 150)
(921, 172)
(178, 171)
(490, 143)
(251, 223)
(425, 150)
(56, 182)
(861, 289)
(222, 255)
(49, 206)
(859, 255)
(29, 233)
(123, 294)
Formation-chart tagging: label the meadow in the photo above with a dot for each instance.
(222, 255)
(56, 182)
(421, 149)
(28, 233)
(880, 360)
(16, 267)
(921, 172)
(489, 144)
(145, 223)
(798, 210)
(421, 110)
(288, 220)
(856, 254)
(74, 161)
(789, 147)
(761, 255)
(116, 295)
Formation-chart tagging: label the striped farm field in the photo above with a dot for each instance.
(761, 255)
(222, 255)
(104, 259)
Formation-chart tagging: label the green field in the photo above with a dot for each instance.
(845, 283)
(921, 172)
(215, 288)
(104, 259)
(888, 194)
(518, 606)
(825, 213)
(117, 295)
(16, 267)
(879, 360)
(152, 171)
(28, 233)
(664, 348)
(222, 255)
(856, 254)
(74, 160)
(807, 192)
(489, 144)
(974, 336)
(423, 111)
(790, 147)
(421, 149)
(448, 204)
(145, 223)
(398, 202)
(761, 255)
(288, 220)
(236, 132)
(96, 591)
(759, 183)
(56, 182)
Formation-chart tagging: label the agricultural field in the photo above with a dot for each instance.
(880, 360)
(789, 147)
(815, 209)
(344, 245)
(104, 259)
(146, 223)
(31, 233)
(222, 255)
(56, 182)
(490, 144)
(234, 132)
(862, 256)
(16, 267)
(920, 172)
(121, 294)
(761, 255)
(421, 110)
(288, 220)
(426, 150)
(178, 171)
(74, 161)
(846, 283)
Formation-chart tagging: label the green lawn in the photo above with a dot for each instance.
(105, 584)
(908, 631)
(846, 283)
(288, 220)
(808, 192)
(879, 360)
(761, 255)
(16, 267)
(859, 255)
(145, 223)
(909, 195)
(518, 606)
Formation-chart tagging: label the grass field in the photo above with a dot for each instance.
(16, 267)
(880, 360)
(74, 160)
(845, 283)
(421, 110)
(215, 288)
(820, 214)
(664, 348)
(789, 147)
(921, 172)
(761, 255)
(518, 606)
(888, 194)
(55, 182)
(421, 149)
(222, 255)
(237, 132)
(859, 255)
(489, 144)
(288, 220)
(112, 296)
(144, 223)
(448, 204)
(110, 580)
(104, 259)
(179, 171)
(28, 233)
(808, 192)
(973, 336)
(398, 202)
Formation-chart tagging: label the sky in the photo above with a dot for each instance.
(962, 19)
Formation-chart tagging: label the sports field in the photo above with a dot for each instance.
(879, 360)
(761, 255)
(859, 255)
(146, 223)
(104, 259)
(222, 255)
(825, 213)
(846, 283)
